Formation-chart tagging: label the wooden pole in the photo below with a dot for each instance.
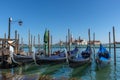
(94, 39)
(16, 45)
(31, 44)
(15, 34)
(79, 41)
(66, 43)
(29, 40)
(69, 40)
(34, 41)
(94, 43)
(4, 45)
(48, 43)
(89, 39)
(5, 35)
(22, 43)
(18, 42)
(109, 43)
(60, 44)
(51, 43)
(89, 35)
(114, 46)
(39, 41)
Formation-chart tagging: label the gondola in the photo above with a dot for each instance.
(5, 59)
(23, 59)
(0, 59)
(81, 59)
(20, 59)
(103, 57)
(14, 60)
(48, 58)
(73, 52)
(60, 57)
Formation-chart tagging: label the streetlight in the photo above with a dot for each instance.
(9, 25)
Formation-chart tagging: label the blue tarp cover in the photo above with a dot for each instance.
(103, 50)
(74, 51)
(88, 49)
(103, 59)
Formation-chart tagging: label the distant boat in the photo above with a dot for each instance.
(103, 57)
(81, 59)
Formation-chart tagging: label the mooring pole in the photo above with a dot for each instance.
(15, 34)
(94, 39)
(22, 43)
(48, 43)
(114, 46)
(4, 42)
(94, 43)
(34, 41)
(69, 40)
(79, 41)
(5, 35)
(109, 43)
(51, 44)
(16, 44)
(89, 39)
(66, 42)
(89, 35)
(29, 40)
(39, 41)
(31, 43)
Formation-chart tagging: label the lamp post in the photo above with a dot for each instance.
(9, 25)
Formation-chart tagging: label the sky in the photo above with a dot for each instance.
(60, 15)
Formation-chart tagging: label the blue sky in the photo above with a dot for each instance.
(59, 15)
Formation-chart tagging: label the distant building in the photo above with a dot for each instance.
(117, 42)
(95, 42)
(79, 42)
(84, 42)
(61, 42)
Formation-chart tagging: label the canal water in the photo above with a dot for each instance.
(64, 72)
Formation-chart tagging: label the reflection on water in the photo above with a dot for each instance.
(63, 71)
